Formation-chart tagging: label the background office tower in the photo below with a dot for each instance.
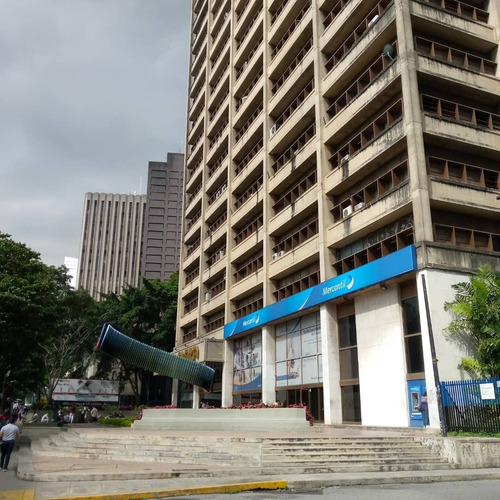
(341, 155)
(110, 248)
(162, 225)
(72, 264)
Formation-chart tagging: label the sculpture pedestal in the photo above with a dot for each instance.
(252, 419)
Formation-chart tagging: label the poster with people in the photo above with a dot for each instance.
(247, 366)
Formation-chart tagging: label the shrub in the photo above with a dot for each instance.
(119, 422)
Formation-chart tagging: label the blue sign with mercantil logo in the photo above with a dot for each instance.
(395, 264)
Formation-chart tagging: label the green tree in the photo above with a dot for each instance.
(476, 322)
(30, 303)
(69, 351)
(147, 314)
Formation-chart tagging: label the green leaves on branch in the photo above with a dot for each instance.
(476, 322)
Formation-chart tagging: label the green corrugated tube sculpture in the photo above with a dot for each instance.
(150, 358)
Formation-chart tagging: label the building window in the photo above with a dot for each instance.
(412, 330)
(348, 361)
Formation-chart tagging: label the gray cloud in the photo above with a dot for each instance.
(90, 91)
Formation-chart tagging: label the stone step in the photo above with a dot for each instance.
(347, 460)
(312, 456)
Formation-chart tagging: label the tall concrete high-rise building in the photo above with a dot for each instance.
(162, 224)
(71, 264)
(111, 242)
(342, 173)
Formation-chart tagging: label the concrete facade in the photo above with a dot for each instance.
(322, 137)
(163, 217)
(110, 245)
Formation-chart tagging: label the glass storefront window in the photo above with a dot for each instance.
(413, 336)
(247, 368)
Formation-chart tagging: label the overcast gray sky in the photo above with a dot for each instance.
(90, 91)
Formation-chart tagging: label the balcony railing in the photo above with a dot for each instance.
(249, 192)
(296, 62)
(467, 237)
(251, 228)
(278, 11)
(219, 134)
(192, 275)
(453, 56)
(217, 163)
(296, 22)
(292, 151)
(191, 305)
(295, 192)
(189, 333)
(216, 256)
(243, 67)
(297, 282)
(368, 134)
(385, 246)
(293, 106)
(371, 192)
(217, 194)
(250, 155)
(214, 322)
(460, 8)
(334, 12)
(191, 248)
(459, 112)
(193, 193)
(248, 123)
(249, 305)
(194, 219)
(357, 34)
(294, 238)
(253, 83)
(463, 173)
(249, 27)
(249, 266)
(375, 69)
(218, 223)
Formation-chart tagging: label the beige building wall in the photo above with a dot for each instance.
(110, 247)
(323, 135)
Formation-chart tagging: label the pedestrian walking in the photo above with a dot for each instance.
(424, 408)
(8, 434)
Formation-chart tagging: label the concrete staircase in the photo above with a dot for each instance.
(223, 455)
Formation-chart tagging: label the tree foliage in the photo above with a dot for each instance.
(147, 314)
(476, 321)
(30, 302)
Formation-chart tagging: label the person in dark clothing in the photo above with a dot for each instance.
(424, 408)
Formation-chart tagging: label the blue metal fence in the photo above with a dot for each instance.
(472, 405)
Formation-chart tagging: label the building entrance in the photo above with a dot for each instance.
(311, 397)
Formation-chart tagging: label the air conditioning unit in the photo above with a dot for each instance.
(359, 206)
(273, 130)
(217, 194)
(221, 253)
(244, 98)
(275, 256)
(281, 253)
(226, 15)
(347, 211)
(373, 20)
(208, 296)
(344, 159)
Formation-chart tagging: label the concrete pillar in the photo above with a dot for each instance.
(268, 365)
(331, 368)
(419, 188)
(175, 392)
(227, 374)
(196, 397)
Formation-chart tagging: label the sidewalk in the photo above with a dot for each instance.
(73, 478)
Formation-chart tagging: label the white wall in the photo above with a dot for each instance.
(382, 369)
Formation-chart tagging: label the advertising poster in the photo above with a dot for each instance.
(281, 374)
(293, 345)
(247, 370)
(310, 340)
(294, 372)
(86, 391)
(281, 348)
(310, 370)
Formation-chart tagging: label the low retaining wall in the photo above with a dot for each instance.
(251, 419)
(469, 453)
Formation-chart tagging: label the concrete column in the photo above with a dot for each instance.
(175, 392)
(227, 374)
(268, 365)
(412, 117)
(331, 368)
(196, 397)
